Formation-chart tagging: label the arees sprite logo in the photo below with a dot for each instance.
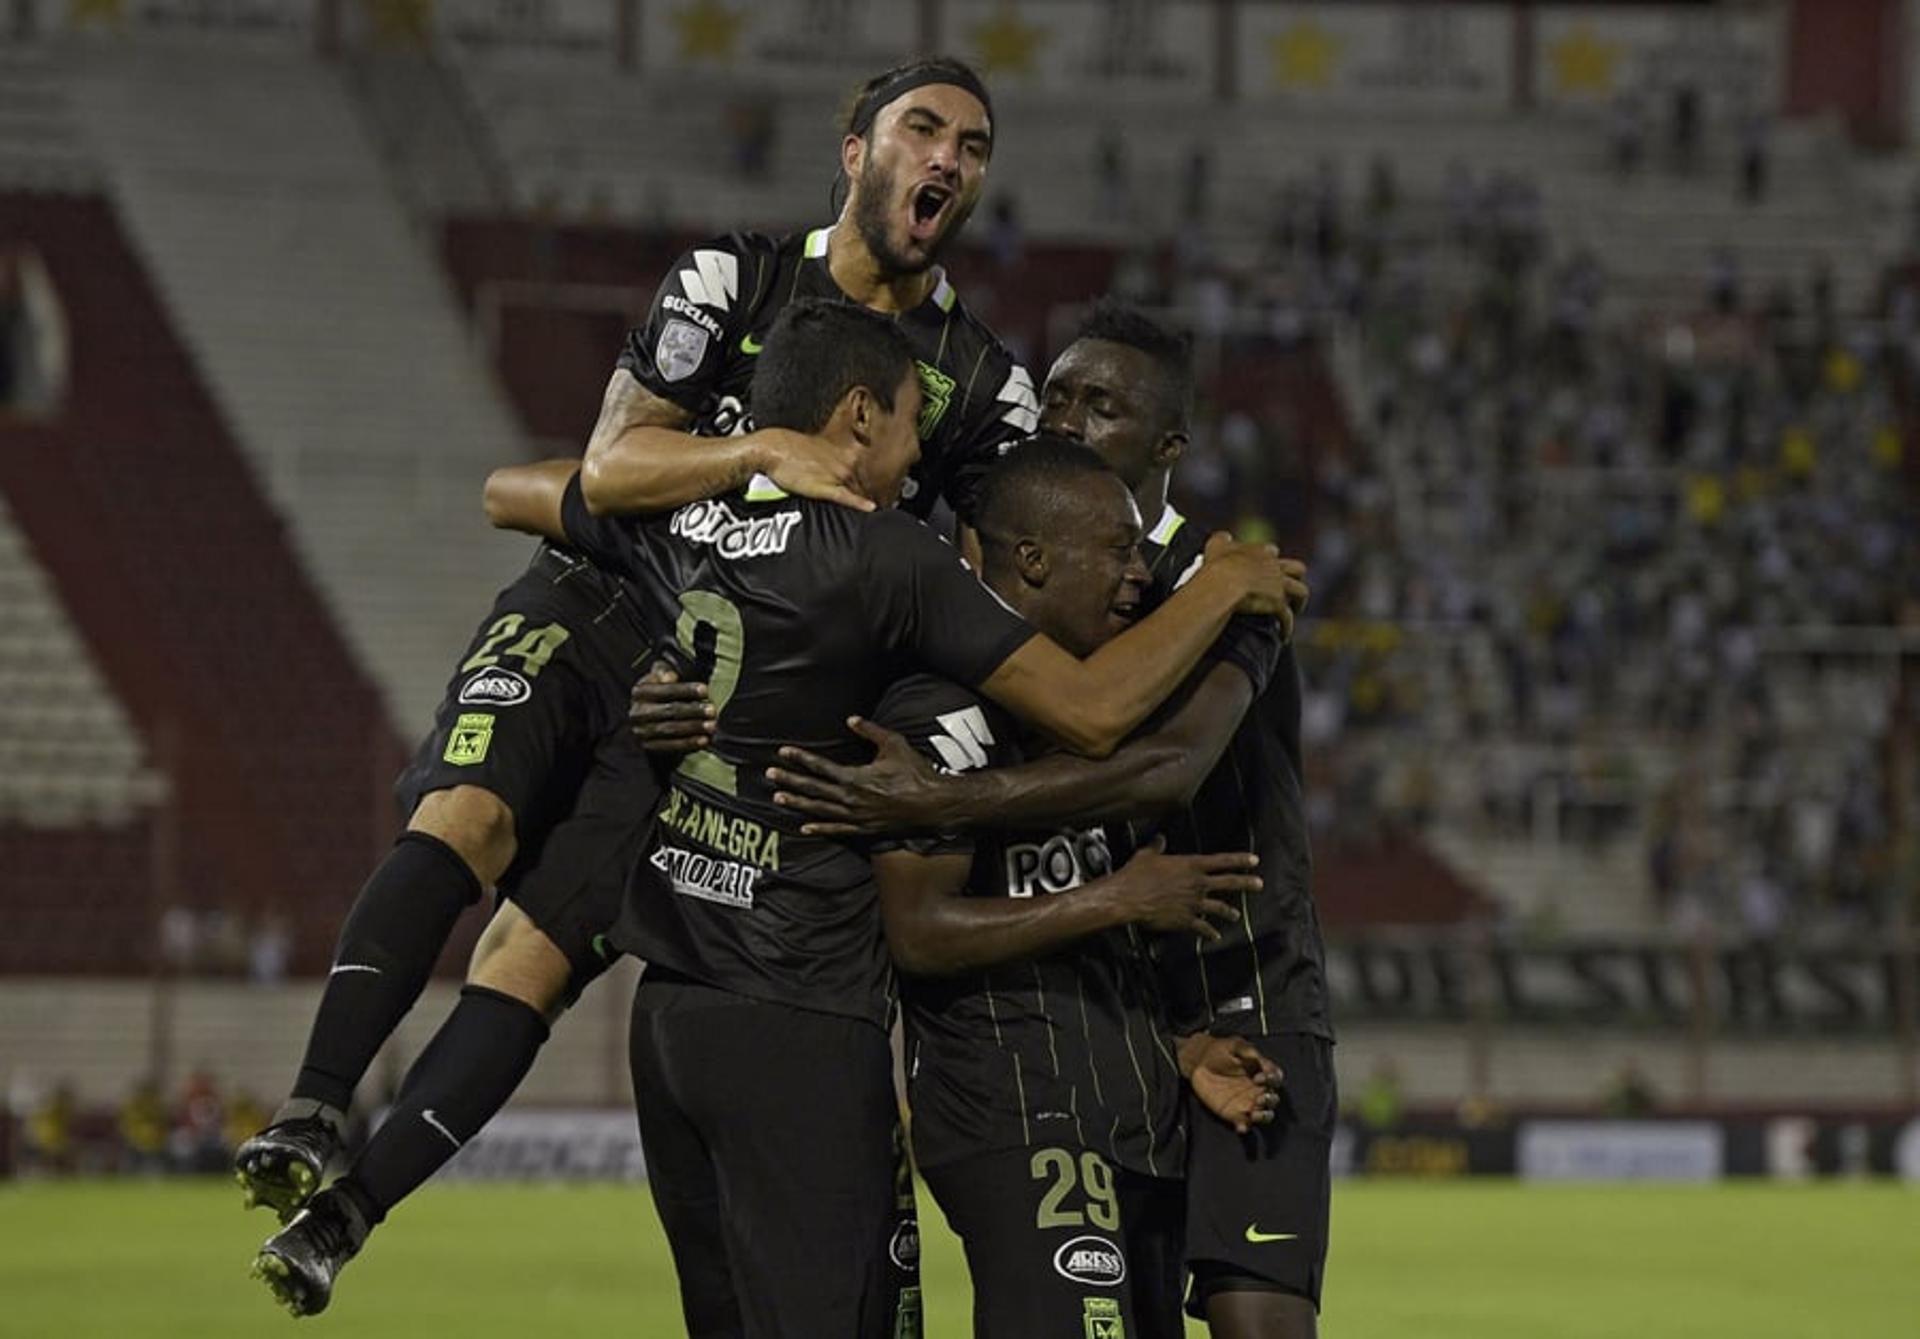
(1094, 1261)
(495, 687)
(904, 1249)
(936, 393)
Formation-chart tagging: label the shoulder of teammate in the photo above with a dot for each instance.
(705, 302)
(924, 601)
(997, 407)
(1176, 549)
(953, 728)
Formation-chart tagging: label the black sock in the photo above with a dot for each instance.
(388, 946)
(465, 1075)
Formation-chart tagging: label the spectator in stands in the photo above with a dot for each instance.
(1684, 126)
(1753, 129)
(269, 949)
(143, 1125)
(1629, 1094)
(1381, 1105)
(752, 131)
(199, 1126)
(1628, 136)
(1196, 185)
(245, 1116)
(1005, 237)
(33, 338)
(1383, 190)
(1115, 191)
(48, 1146)
(1723, 281)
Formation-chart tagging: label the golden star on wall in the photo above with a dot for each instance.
(1006, 43)
(83, 13)
(403, 23)
(1304, 55)
(1582, 63)
(708, 30)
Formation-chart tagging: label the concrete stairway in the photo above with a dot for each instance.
(328, 335)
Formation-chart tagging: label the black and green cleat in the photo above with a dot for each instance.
(300, 1262)
(281, 1166)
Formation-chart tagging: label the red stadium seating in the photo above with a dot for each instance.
(186, 588)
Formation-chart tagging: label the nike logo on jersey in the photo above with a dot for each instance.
(714, 280)
(750, 346)
(1256, 1236)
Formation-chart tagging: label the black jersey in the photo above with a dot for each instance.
(1267, 973)
(797, 614)
(1069, 1048)
(718, 301)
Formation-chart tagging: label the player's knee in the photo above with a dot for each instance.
(474, 822)
(1260, 1313)
(515, 957)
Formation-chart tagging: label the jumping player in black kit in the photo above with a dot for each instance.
(497, 771)
(1222, 769)
(778, 1191)
(525, 783)
(917, 143)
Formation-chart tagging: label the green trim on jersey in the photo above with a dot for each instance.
(760, 488)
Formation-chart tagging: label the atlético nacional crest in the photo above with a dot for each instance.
(681, 346)
(936, 393)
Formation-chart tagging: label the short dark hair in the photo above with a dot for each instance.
(1031, 487)
(1171, 350)
(867, 100)
(817, 351)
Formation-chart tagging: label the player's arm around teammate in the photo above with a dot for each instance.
(1090, 703)
(1155, 772)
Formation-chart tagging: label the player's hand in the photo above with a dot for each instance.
(1181, 893)
(1269, 584)
(667, 716)
(1232, 1079)
(809, 466)
(897, 792)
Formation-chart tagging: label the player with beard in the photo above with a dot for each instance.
(766, 969)
(918, 140)
(1220, 771)
(497, 773)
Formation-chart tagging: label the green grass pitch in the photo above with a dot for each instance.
(1483, 1260)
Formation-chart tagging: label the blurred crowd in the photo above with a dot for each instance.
(1582, 572)
(193, 1130)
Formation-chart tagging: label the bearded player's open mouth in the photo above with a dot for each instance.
(1124, 610)
(926, 210)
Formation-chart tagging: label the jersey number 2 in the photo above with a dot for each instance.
(698, 607)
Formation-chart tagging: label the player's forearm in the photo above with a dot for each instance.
(647, 468)
(528, 498)
(947, 935)
(1144, 778)
(1118, 686)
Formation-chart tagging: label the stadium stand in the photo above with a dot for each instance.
(364, 413)
(1345, 292)
(69, 756)
(181, 582)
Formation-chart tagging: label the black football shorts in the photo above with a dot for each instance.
(545, 678)
(777, 1164)
(1257, 1204)
(1059, 1241)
